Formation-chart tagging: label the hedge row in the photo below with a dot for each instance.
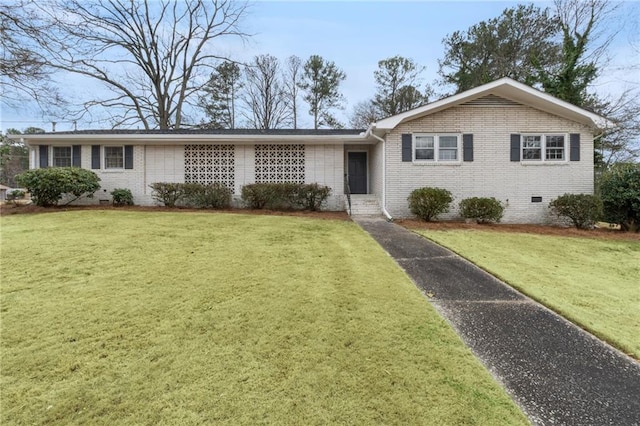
(212, 196)
(285, 196)
(274, 196)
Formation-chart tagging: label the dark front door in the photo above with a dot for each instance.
(357, 167)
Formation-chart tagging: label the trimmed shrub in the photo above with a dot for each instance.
(285, 196)
(257, 195)
(122, 197)
(47, 186)
(167, 193)
(620, 192)
(311, 196)
(428, 203)
(213, 196)
(189, 192)
(583, 210)
(275, 196)
(482, 209)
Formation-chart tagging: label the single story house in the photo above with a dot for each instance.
(503, 139)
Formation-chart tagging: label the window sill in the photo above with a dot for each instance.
(113, 170)
(544, 163)
(437, 163)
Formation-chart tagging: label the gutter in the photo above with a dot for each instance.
(384, 172)
(186, 138)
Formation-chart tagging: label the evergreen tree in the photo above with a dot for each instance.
(321, 82)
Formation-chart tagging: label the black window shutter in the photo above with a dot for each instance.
(95, 156)
(467, 147)
(128, 156)
(76, 153)
(44, 156)
(574, 141)
(515, 147)
(407, 155)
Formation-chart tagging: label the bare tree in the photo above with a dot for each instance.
(264, 96)
(291, 78)
(23, 73)
(154, 56)
(363, 114)
(622, 142)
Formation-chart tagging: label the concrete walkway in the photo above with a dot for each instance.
(556, 372)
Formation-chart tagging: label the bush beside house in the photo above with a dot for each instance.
(481, 209)
(274, 196)
(427, 203)
(48, 186)
(122, 197)
(583, 210)
(213, 196)
(285, 196)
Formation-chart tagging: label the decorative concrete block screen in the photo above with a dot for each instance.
(279, 163)
(209, 164)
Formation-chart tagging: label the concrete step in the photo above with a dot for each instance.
(364, 204)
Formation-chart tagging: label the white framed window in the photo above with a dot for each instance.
(114, 157)
(544, 147)
(62, 156)
(436, 148)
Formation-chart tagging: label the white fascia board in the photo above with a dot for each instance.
(507, 88)
(169, 139)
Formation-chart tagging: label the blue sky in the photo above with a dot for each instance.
(357, 34)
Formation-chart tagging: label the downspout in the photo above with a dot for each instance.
(384, 173)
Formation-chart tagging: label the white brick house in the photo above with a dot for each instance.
(503, 140)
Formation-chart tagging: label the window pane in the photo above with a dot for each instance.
(448, 154)
(555, 154)
(424, 154)
(531, 154)
(448, 141)
(424, 142)
(554, 147)
(113, 157)
(531, 142)
(555, 141)
(61, 156)
(425, 148)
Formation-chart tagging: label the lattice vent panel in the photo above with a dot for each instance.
(209, 164)
(280, 163)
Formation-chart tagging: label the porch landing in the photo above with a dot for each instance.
(364, 205)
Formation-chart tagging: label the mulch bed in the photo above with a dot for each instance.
(9, 209)
(602, 233)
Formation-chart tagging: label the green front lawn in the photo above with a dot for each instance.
(593, 282)
(113, 317)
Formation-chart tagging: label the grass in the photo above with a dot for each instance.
(593, 282)
(191, 318)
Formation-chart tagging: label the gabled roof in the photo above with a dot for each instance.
(508, 89)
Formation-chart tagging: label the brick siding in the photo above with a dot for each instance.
(491, 174)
